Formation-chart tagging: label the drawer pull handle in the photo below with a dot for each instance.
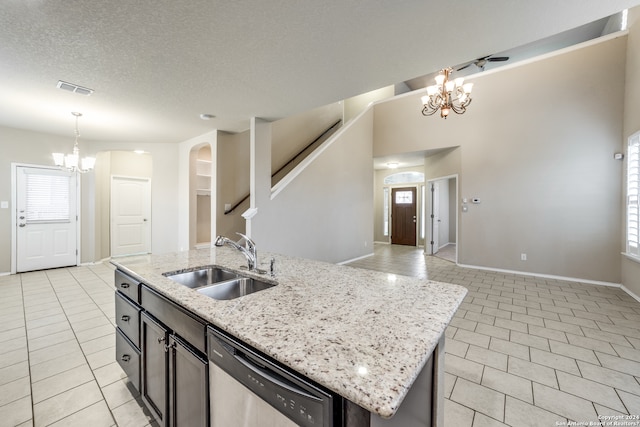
(125, 318)
(125, 358)
(124, 285)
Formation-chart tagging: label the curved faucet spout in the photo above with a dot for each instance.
(249, 251)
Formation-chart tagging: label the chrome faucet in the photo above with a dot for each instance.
(249, 250)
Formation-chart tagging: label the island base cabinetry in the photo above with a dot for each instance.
(191, 374)
(160, 347)
(423, 406)
(174, 373)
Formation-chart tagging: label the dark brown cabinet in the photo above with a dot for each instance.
(155, 364)
(189, 376)
(161, 347)
(128, 311)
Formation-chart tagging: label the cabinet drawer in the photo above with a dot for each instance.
(176, 318)
(128, 358)
(128, 285)
(128, 318)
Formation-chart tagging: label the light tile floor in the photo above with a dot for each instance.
(521, 351)
(57, 347)
(531, 351)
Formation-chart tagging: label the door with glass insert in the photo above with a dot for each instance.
(46, 218)
(403, 216)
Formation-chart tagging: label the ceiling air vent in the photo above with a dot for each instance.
(70, 87)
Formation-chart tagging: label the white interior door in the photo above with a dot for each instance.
(47, 221)
(435, 217)
(130, 216)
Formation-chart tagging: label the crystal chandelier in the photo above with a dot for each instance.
(70, 161)
(447, 95)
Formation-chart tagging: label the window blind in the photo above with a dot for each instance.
(633, 195)
(47, 198)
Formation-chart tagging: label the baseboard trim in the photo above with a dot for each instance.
(547, 276)
(551, 276)
(631, 294)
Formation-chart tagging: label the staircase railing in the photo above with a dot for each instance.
(287, 164)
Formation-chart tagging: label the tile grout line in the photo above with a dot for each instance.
(51, 284)
(26, 336)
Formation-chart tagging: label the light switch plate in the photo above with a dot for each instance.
(4, 204)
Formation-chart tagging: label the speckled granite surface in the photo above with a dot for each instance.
(363, 334)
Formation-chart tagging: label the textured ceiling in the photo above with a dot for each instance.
(156, 65)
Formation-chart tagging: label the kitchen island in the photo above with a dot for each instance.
(362, 334)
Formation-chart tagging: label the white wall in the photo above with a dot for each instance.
(378, 212)
(185, 200)
(444, 217)
(325, 213)
(537, 147)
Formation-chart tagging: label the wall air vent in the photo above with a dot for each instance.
(70, 87)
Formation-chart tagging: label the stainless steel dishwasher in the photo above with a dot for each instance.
(248, 390)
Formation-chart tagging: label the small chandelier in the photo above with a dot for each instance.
(447, 95)
(70, 161)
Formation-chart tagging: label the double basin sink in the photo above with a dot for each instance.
(218, 283)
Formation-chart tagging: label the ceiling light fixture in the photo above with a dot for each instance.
(70, 161)
(447, 95)
(205, 116)
(393, 165)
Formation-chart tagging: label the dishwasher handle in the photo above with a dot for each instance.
(272, 377)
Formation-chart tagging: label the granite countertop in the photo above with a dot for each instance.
(363, 334)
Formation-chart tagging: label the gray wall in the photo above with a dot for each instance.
(232, 182)
(630, 268)
(96, 229)
(536, 145)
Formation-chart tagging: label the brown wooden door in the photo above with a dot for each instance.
(403, 216)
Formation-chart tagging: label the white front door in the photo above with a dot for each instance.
(47, 221)
(435, 218)
(130, 216)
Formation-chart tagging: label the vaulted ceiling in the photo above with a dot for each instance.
(156, 65)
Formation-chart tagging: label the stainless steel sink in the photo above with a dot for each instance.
(218, 283)
(202, 277)
(235, 288)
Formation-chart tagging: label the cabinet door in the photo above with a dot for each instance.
(153, 341)
(189, 374)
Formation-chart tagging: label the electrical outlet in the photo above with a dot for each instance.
(523, 257)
